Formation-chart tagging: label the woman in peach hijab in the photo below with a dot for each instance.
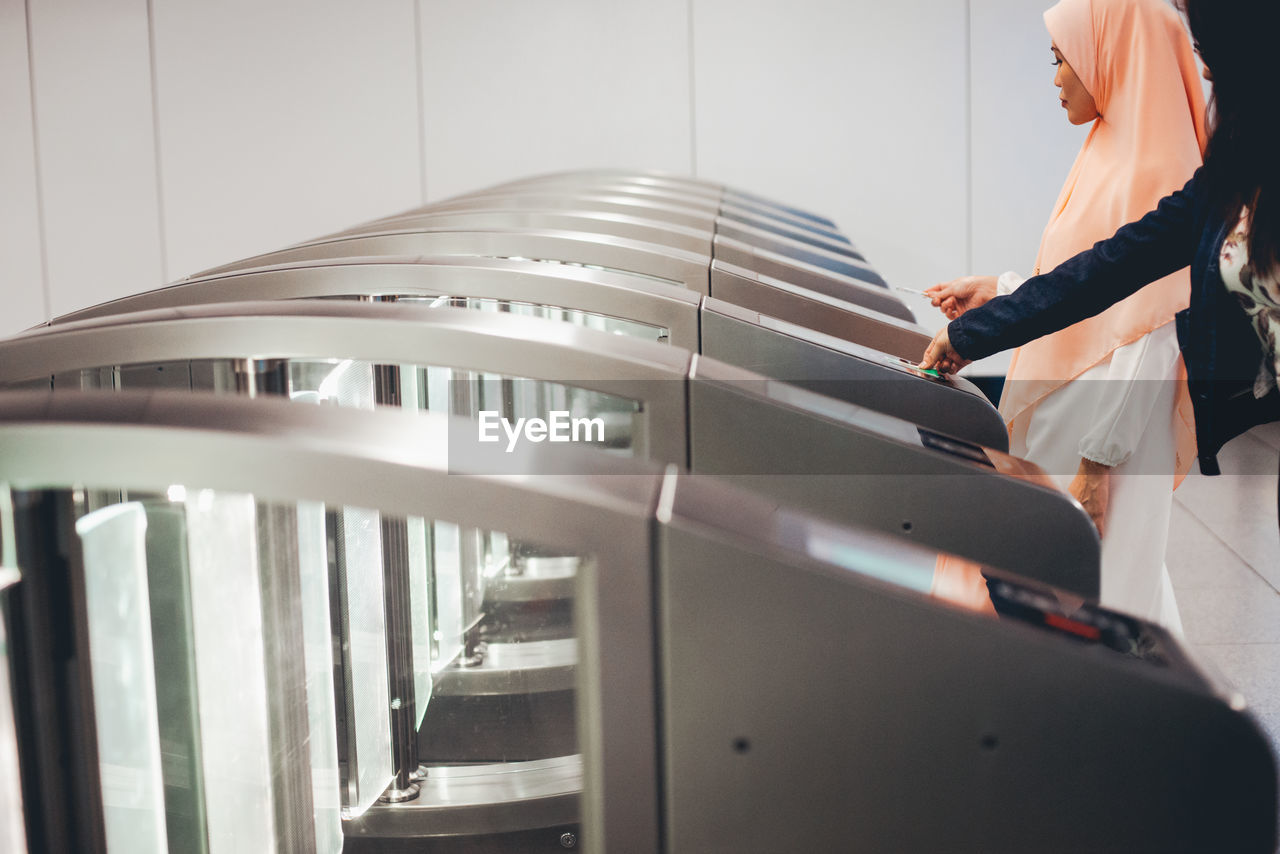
(1102, 405)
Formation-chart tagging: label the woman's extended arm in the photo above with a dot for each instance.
(1141, 252)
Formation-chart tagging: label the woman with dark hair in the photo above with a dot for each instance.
(1225, 223)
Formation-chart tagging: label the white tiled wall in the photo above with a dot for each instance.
(281, 120)
(853, 110)
(173, 134)
(91, 74)
(515, 88)
(1024, 146)
(22, 290)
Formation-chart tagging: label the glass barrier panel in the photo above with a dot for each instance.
(313, 572)
(419, 570)
(358, 537)
(177, 696)
(249, 758)
(344, 382)
(436, 395)
(463, 631)
(113, 544)
(188, 676)
(231, 669)
(420, 602)
(447, 575)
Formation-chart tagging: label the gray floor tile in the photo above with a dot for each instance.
(1224, 557)
(1243, 615)
(1249, 454)
(1197, 558)
(1269, 433)
(1254, 670)
(1240, 509)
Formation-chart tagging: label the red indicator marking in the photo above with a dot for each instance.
(1075, 628)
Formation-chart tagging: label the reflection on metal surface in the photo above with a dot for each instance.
(638, 273)
(477, 799)
(585, 319)
(535, 578)
(548, 566)
(514, 668)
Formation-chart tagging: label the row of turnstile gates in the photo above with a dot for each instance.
(617, 517)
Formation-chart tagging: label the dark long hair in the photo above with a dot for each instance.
(1237, 41)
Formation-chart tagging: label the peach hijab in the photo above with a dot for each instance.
(1135, 58)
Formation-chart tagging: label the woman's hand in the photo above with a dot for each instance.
(959, 295)
(1092, 488)
(941, 356)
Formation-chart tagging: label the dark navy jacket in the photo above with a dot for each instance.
(1219, 346)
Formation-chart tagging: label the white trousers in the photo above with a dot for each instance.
(1134, 576)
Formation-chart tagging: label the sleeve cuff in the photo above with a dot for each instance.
(1008, 282)
(1109, 457)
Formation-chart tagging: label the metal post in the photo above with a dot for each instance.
(399, 617)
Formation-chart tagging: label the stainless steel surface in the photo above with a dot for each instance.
(750, 223)
(539, 579)
(860, 375)
(668, 192)
(691, 214)
(741, 223)
(834, 256)
(478, 799)
(854, 284)
(857, 467)
(749, 289)
(790, 225)
(745, 198)
(633, 226)
(901, 711)
(534, 667)
(529, 589)
(625, 181)
(826, 683)
(648, 181)
(501, 344)
(790, 437)
(664, 263)
(600, 294)
(893, 722)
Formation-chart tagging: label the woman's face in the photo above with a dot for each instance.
(1076, 99)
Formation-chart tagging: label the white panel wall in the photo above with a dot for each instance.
(1023, 144)
(854, 110)
(281, 121)
(21, 277)
(92, 92)
(517, 88)
(183, 135)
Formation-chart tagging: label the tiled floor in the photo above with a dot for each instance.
(1224, 557)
